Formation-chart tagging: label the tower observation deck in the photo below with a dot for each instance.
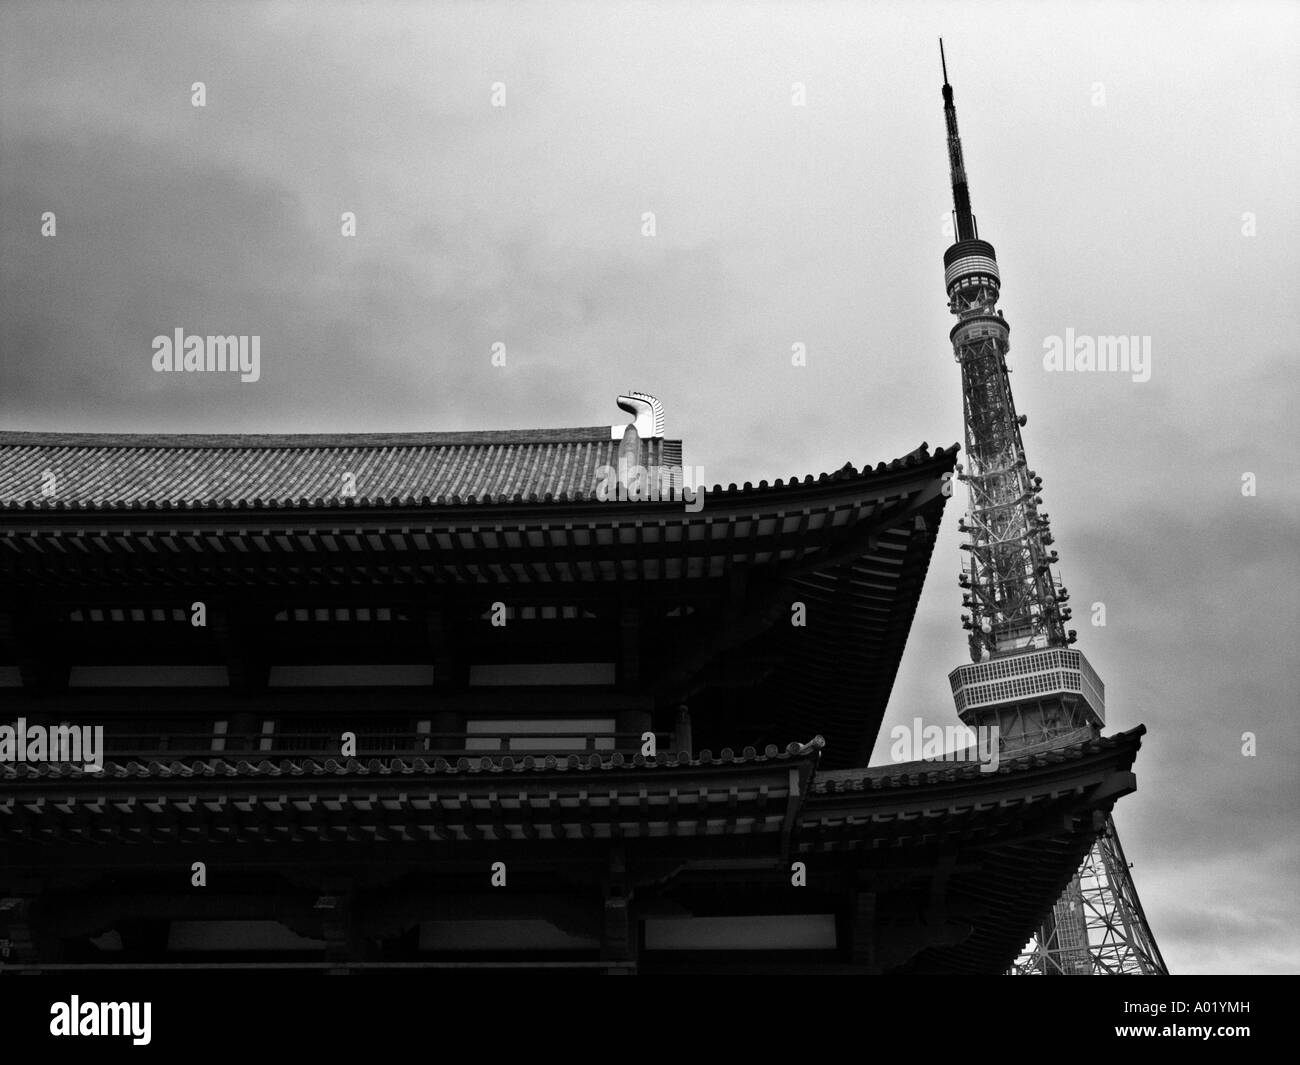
(1025, 677)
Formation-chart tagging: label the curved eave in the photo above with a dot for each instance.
(997, 847)
(753, 797)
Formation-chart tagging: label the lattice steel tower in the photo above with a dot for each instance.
(1024, 676)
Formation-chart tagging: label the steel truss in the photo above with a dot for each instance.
(1097, 927)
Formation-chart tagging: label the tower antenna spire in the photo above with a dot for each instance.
(960, 190)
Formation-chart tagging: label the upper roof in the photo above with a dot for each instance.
(115, 471)
(145, 514)
(106, 469)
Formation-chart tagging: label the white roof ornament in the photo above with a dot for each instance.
(648, 412)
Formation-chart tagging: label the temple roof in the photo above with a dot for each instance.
(980, 855)
(199, 768)
(133, 470)
(116, 471)
(852, 546)
(1000, 846)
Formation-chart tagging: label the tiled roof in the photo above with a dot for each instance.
(92, 469)
(826, 782)
(110, 471)
(853, 546)
(312, 767)
(998, 847)
(920, 774)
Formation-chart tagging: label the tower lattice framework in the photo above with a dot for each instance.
(1100, 914)
(1025, 677)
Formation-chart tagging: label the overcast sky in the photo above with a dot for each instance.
(1118, 156)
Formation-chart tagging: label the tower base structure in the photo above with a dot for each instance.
(1097, 927)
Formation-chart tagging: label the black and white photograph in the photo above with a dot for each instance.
(511, 491)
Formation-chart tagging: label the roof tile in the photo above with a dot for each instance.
(383, 766)
(106, 471)
(97, 471)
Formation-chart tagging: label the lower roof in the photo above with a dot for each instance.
(983, 855)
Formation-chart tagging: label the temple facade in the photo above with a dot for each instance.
(436, 700)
